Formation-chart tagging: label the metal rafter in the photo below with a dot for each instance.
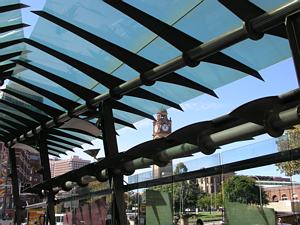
(102, 77)
(56, 144)
(179, 39)
(246, 10)
(79, 90)
(58, 99)
(34, 115)
(7, 8)
(258, 25)
(10, 55)
(61, 140)
(67, 135)
(135, 61)
(25, 121)
(13, 27)
(43, 107)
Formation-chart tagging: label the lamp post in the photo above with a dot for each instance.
(260, 195)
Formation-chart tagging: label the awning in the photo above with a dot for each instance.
(82, 52)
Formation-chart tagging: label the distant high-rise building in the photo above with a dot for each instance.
(27, 164)
(161, 128)
(61, 166)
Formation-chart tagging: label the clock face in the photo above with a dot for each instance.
(165, 127)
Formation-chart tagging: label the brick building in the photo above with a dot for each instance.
(282, 193)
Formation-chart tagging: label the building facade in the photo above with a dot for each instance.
(161, 128)
(213, 184)
(61, 166)
(27, 165)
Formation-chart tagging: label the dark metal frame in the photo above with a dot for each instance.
(260, 24)
(192, 53)
(42, 142)
(15, 185)
(111, 150)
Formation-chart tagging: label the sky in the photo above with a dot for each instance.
(279, 78)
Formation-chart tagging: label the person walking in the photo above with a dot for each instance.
(199, 222)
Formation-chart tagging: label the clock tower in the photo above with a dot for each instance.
(161, 128)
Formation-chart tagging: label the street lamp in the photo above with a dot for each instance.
(260, 195)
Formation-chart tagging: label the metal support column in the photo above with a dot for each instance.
(46, 176)
(111, 149)
(15, 185)
(293, 32)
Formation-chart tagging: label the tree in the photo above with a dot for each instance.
(206, 200)
(289, 141)
(243, 189)
(184, 193)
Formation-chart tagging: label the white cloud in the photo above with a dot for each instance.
(201, 106)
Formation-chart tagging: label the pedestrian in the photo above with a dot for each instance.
(279, 221)
(199, 222)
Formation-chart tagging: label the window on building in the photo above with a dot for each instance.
(275, 198)
(284, 197)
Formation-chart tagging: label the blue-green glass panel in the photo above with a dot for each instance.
(83, 136)
(63, 144)
(16, 112)
(4, 116)
(58, 148)
(11, 35)
(213, 18)
(8, 2)
(3, 129)
(31, 94)
(6, 124)
(53, 152)
(68, 139)
(10, 18)
(42, 82)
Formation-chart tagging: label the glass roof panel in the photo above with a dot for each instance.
(2, 129)
(58, 148)
(214, 19)
(4, 116)
(11, 35)
(16, 112)
(83, 136)
(10, 18)
(209, 75)
(53, 152)
(19, 102)
(31, 94)
(8, 2)
(68, 139)
(60, 143)
(42, 82)
(6, 124)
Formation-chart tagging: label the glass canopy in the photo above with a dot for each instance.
(79, 50)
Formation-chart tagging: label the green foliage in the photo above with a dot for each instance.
(244, 190)
(180, 168)
(206, 201)
(291, 140)
(185, 191)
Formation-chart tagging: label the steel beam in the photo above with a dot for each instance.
(111, 150)
(47, 175)
(255, 162)
(15, 185)
(293, 32)
(258, 25)
(7, 8)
